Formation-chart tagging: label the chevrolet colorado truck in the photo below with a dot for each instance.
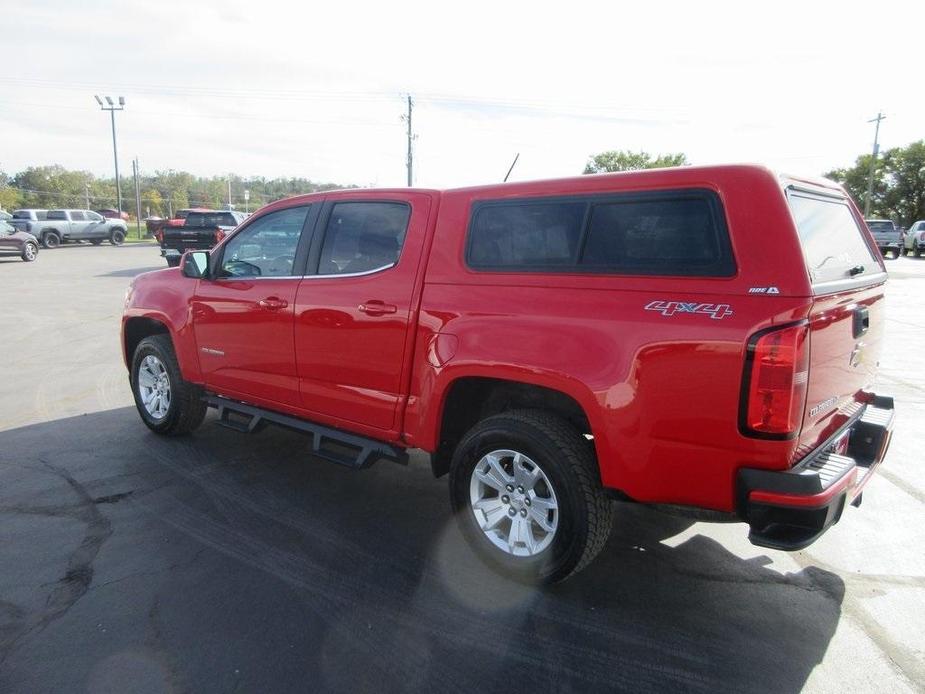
(54, 227)
(201, 229)
(700, 338)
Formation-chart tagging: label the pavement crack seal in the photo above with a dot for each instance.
(79, 572)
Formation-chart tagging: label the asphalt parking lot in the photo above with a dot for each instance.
(224, 562)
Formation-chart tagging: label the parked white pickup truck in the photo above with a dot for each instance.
(54, 227)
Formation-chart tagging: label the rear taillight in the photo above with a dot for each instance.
(776, 373)
(219, 234)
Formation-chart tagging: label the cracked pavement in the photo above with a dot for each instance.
(224, 562)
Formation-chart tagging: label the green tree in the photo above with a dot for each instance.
(899, 183)
(9, 197)
(625, 160)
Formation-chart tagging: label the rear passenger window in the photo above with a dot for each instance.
(674, 234)
(56, 215)
(363, 236)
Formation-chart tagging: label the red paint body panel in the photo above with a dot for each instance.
(662, 394)
(350, 360)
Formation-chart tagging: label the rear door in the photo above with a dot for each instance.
(96, 226)
(243, 317)
(78, 225)
(846, 318)
(354, 308)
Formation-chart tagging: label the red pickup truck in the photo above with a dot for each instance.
(704, 338)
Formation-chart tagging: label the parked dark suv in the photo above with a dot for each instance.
(22, 243)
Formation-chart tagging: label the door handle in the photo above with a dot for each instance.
(272, 303)
(374, 307)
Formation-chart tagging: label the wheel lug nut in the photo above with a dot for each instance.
(505, 499)
(520, 490)
(511, 512)
(527, 502)
(523, 512)
(510, 487)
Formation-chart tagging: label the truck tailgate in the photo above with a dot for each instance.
(847, 314)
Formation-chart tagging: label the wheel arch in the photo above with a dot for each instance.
(135, 328)
(469, 399)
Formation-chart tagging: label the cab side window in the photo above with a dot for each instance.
(363, 236)
(266, 248)
(78, 216)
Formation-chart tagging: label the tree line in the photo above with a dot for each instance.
(898, 190)
(162, 193)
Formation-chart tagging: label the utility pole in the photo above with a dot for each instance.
(229, 192)
(247, 197)
(112, 108)
(410, 139)
(137, 197)
(86, 195)
(873, 162)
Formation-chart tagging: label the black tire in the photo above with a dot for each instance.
(568, 461)
(117, 238)
(173, 262)
(917, 253)
(30, 251)
(50, 239)
(186, 409)
(96, 242)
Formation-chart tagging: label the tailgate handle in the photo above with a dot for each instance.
(861, 321)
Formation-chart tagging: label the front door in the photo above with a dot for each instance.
(353, 311)
(243, 317)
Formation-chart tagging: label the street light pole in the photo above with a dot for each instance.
(873, 163)
(112, 108)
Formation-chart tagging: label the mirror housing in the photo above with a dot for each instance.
(195, 265)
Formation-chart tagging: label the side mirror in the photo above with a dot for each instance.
(196, 265)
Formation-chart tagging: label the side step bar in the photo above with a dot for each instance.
(331, 444)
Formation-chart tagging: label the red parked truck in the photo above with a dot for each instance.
(704, 338)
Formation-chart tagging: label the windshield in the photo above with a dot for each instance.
(880, 226)
(831, 238)
(211, 219)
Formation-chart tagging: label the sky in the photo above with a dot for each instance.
(318, 90)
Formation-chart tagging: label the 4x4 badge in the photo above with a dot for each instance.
(670, 308)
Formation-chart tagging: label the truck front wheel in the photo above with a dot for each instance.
(525, 489)
(117, 237)
(167, 404)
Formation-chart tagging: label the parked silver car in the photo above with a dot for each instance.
(914, 242)
(54, 227)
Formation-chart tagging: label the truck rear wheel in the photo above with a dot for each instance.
(167, 404)
(51, 239)
(525, 489)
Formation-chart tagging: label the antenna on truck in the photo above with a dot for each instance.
(513, 164)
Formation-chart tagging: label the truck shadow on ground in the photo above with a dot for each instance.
(221, 560)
